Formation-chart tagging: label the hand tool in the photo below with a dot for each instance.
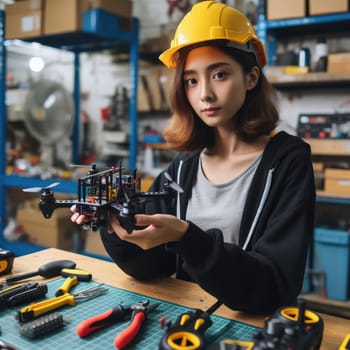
(345, 345)
(82, 275)
(22, 293)
(5, 346)
(37, 292)
(48, 270)
(6, 261)
(73, 277)
(42, 325)
(67, 285)
(188, 330)
(42, 307)
(137, 313)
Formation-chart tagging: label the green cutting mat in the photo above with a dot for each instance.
(103, 339)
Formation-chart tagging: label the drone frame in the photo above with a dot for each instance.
(101, 193)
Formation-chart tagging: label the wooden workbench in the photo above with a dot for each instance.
(169, 289)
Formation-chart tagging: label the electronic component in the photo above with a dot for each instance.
(324, 126)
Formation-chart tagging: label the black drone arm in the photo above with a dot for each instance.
(48, 204)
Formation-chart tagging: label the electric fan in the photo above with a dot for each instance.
(49, 116)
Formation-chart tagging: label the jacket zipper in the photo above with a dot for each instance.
(260, 207)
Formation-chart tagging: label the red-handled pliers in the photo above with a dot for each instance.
(137, 313)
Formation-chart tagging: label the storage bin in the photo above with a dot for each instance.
(332, 257)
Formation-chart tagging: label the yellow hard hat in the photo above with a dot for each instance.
(209, 20)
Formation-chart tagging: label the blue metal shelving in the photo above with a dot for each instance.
(100, 31)
(269, 30)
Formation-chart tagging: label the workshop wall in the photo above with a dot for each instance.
(102, 73)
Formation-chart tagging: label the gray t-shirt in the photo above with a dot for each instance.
(220, 206)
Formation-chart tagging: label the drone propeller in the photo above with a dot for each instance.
(38, 189)
(176, 187)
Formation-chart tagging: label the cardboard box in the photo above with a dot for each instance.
(337, 181)
(339, 63)
(154, 88)
(93, 243)
(56, 232)
(143, 99)
(277, 9)
(63, 15)
(321, 7)
(67, 15)
(24, 19)
(122, 8)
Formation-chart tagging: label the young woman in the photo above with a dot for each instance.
(241, 227)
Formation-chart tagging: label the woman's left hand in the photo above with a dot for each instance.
(159, 229)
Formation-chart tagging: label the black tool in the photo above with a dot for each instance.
(22, 293)
(37, 292)
(42, 325)
(188, 330)
(48, 270)
(6, 261)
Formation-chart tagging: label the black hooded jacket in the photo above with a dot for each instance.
(265, 270)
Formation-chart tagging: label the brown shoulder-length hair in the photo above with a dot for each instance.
(258, 116)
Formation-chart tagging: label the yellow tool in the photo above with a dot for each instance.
(73, 277)
(345, 345)
(31, 311)
(82, 275)
(67, 285)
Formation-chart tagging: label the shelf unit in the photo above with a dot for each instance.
(271, 32)
(100, 31)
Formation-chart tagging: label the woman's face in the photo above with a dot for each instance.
(215, 85)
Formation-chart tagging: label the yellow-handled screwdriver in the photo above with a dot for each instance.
(31, 311)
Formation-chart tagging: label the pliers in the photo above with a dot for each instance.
(34, 310)
(137, 313)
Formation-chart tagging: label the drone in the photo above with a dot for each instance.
(104, 192)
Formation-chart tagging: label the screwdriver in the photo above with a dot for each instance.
(48, 270)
